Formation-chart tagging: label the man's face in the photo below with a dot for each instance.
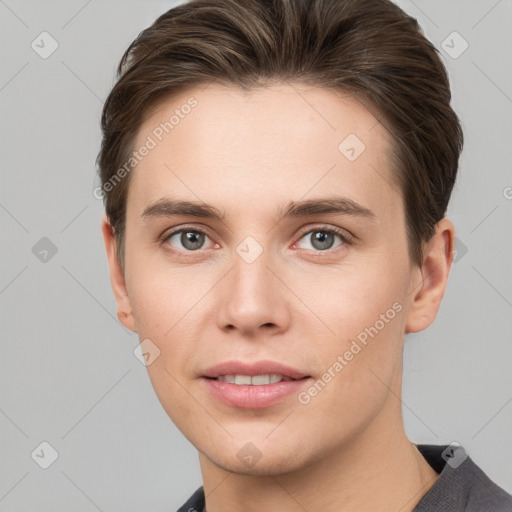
(255, 285)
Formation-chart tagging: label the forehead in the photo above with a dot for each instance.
(290, 139)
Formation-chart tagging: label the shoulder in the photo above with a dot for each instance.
(195, 503)
(485, 494)
(461, 485)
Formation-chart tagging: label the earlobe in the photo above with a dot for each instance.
(117, 280)
(437, 262)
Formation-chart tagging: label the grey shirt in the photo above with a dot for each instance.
(461, 487)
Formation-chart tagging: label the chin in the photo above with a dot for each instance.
(277, 464)
(257, 457)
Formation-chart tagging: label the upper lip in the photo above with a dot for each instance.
(252, 369)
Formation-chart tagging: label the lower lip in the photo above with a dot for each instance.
(254, 397)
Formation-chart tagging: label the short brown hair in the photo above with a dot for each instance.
(370, 49)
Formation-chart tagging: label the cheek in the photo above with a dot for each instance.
(365, 312)
(353, 299)
(162, 297)
(172, 308)
(170, 389)
(362, 360)
(166, 310)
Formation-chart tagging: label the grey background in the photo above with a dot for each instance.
(68, 375)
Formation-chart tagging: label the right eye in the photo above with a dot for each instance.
(190, 239)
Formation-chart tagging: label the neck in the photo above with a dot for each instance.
(378, 469)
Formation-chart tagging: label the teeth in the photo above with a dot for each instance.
(242, 379)
(256, 380)
(260, 379)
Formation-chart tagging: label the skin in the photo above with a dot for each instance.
(249, 154)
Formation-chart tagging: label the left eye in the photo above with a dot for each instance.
(323, 239)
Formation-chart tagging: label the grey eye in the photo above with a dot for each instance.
(190, 240)
(321, 239)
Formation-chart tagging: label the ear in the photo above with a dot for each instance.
(437, 262)
(117, 281)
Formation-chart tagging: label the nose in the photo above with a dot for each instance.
(253, 298)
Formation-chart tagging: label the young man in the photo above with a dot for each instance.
(276, 177)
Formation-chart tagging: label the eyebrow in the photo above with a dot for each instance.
(167, 207)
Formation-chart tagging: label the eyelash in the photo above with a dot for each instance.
(346, 239)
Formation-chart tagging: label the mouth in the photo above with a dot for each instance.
(260, 371)
(254, 380)
(253, 385)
